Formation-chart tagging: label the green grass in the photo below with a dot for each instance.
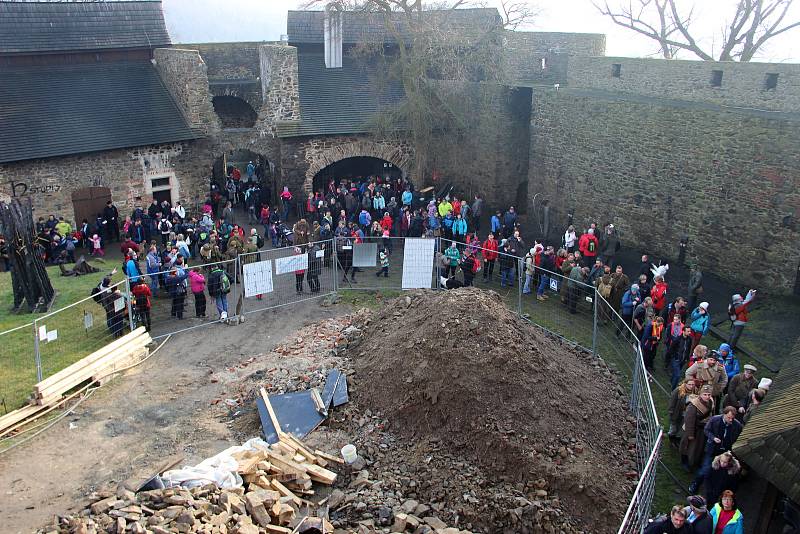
(17, 355)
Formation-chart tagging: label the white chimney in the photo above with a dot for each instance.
(333, 37)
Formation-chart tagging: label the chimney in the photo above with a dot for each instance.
(333, 37)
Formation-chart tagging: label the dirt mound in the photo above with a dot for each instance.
(460, 369)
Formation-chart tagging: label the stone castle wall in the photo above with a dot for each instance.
(742, 84)
(727, 178)
(184, 74)
(524, 52)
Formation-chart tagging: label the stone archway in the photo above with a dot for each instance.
(398, 154)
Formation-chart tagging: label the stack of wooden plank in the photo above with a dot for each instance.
(286, 470)
(96, 367)
(102, 363)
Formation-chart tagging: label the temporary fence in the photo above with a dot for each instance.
(564, 306)
(282, 276)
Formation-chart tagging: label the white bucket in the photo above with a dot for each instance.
(349, 453)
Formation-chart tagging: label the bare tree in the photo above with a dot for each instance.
(445, 63)
(753, 23)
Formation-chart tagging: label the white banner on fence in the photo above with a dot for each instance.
(291, 264)
(418, 263)
(365, 255)
(257, 278)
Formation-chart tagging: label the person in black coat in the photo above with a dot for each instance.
(721, 433)
(724, 475)
(675, 523)
(111, 215)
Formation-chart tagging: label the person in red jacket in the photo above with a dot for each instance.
(659, 294)
(489, 257)
(588, 246)
(142, 294)
(386, 222)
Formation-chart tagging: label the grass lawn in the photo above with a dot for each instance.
(75, 341)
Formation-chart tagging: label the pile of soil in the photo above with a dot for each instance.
(459, 369)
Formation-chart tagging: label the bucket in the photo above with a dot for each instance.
(349, 453)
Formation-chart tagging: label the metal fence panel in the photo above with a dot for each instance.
(370, 275)
(17, 367)
(290, 285)
(171, 313)
(71, 333)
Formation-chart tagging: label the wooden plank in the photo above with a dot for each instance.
(11, 419)
(320, 474)
(96, 355)
(329, 457)
(286, 492)
(275, 529)
(69, 382)
(297, 444)
(271, 412)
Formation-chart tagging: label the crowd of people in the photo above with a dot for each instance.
(712, 395)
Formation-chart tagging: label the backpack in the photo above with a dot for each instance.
(592, 246)
(731, 312)
(164, 226)
(224, 284)
(259, 241)
(604, 290)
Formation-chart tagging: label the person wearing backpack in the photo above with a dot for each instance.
(737, 313)
(219, 285)
(177, 289)
(588, 246)
(141, 291)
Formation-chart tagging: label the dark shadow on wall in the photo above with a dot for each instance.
(234, 112)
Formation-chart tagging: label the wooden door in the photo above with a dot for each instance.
(88, 202)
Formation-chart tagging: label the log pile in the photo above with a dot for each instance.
(93, 369)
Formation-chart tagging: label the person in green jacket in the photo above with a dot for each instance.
(453, 257)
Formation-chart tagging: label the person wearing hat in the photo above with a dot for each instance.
(674, 524)
(728, 360)
(698, 412)
(697, 515)
(700, 322)
(721, 432)
(588, 244)
(737, 312)
(739, 388)
(709, 371)
(630, 299)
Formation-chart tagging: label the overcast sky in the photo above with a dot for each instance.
(195, 21)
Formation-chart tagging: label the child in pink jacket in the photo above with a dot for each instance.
(197, 283)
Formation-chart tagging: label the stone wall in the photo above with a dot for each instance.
(742, 84)
(234, 69)
(279, 85)
(184, 74)
(303, 158)
(657, 169)
(50, 182)
(524, 52)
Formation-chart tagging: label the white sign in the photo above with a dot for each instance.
(291, 264)
(88, 320)
(418, 263)
(52, 335)
(43, 333)
(257, 278)
(554, 284)
(119, 304)
(365, 255)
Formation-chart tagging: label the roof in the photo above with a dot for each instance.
(770, 442)
(308, 26)
(337, 101)
(69, 109)
(35, 27)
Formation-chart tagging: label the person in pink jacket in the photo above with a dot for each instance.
(197, 283)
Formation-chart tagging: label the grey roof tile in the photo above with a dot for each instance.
(58, 110)
(30, 27)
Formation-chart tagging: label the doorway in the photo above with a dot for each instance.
(88, 202)
(355, 169)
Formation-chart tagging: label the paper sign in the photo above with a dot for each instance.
(52, 335)
(365, 255)
(291, 264)
(418, 263)
(257, 278)
(42, 333)
(319, 254)
(119, 304)
(554, 284)
(88, 320)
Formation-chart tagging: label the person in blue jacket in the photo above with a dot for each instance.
(726, 512)
(630, 299)
(459, 228)
(700, 322)
(728, 359)
(496, 223)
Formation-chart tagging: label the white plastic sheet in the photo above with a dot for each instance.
(219, 469)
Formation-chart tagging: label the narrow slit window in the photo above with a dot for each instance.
(716, 78)
(544, 63)
(616, 70)
(771, 82)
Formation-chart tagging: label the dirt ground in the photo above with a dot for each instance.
(156, 411)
